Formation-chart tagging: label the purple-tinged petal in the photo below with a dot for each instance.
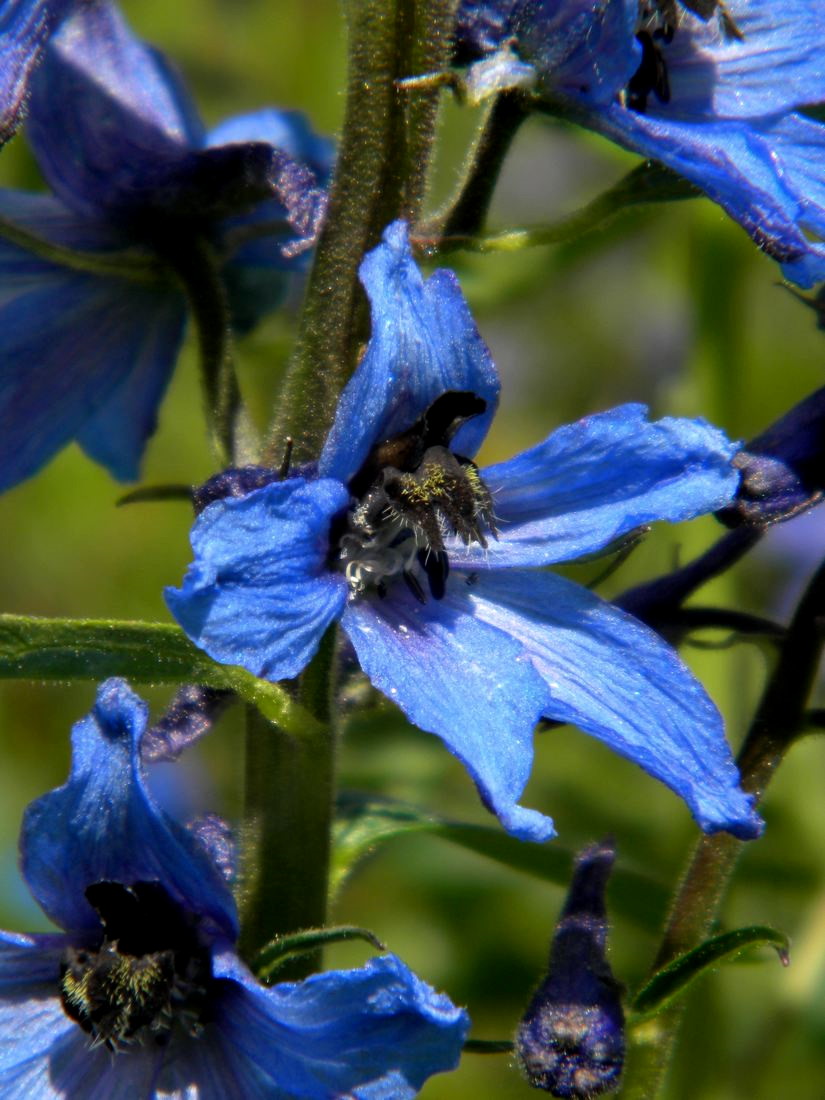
(103, 826)
(766, 174)
(107, 116)
(774, 66)
(25, 26)
(591, 482)
(259, 593)
(375, 1033)
(617, 679)
(81, 355)
(455, 676)
(424, 342)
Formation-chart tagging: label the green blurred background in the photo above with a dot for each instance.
(673, 307)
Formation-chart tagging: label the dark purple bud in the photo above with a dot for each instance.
(783, 469)
(235, 482)
(571, 1040)
(192, 713)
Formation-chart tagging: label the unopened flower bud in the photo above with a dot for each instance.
(783, 469)
(571, 1040)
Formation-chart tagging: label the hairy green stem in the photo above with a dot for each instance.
(289, 799)
(780, 717)
(380, 175)
(467, 215)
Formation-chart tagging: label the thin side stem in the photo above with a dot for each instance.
(779, 718)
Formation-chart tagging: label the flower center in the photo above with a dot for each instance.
(147, 973)
(410, 495)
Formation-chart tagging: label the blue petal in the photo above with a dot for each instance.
(462, 680)
(580, 47)
(259, 593)
(616, 679)
(376, 1033)
(24, 28)
(106, 113)
(103, 826)
(591, 482)
(766, 173)
(80, 355)
(424, 342)
(775, 66)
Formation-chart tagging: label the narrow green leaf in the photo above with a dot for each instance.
(488, 1046)
(364, 822)
(306, 942)
(673, 980)
(155, 653)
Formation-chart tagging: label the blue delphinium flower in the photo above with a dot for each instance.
(717, 100)
(146, 967)
(87, 355)
(25, 26)
(432, 566)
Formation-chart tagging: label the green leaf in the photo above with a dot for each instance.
(307, 942)
(155, 653)
(364, 822)
(673, 980)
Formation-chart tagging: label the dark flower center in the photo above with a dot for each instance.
(147, 973)
(411, 493)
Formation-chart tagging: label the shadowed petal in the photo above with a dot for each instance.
(424, 342)
(375, 1033)
(103, 826)
(455, 676)
(591, 482)
(615, 678)
(259, 593)
(76, 349)
(107, 116)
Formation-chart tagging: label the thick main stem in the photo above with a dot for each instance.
(780, 717)
(380, 175)
(290, 787)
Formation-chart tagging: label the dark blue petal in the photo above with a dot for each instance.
(25, 26)
(775, 66)
(591, 482)
(259, 593)
(455, 676)
(81, 356)
(580, 47)
(765, 172)
(481, 27)
(376, 1033)
(424, 342)
(106, 115)
(617, 679)
(103, 826)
